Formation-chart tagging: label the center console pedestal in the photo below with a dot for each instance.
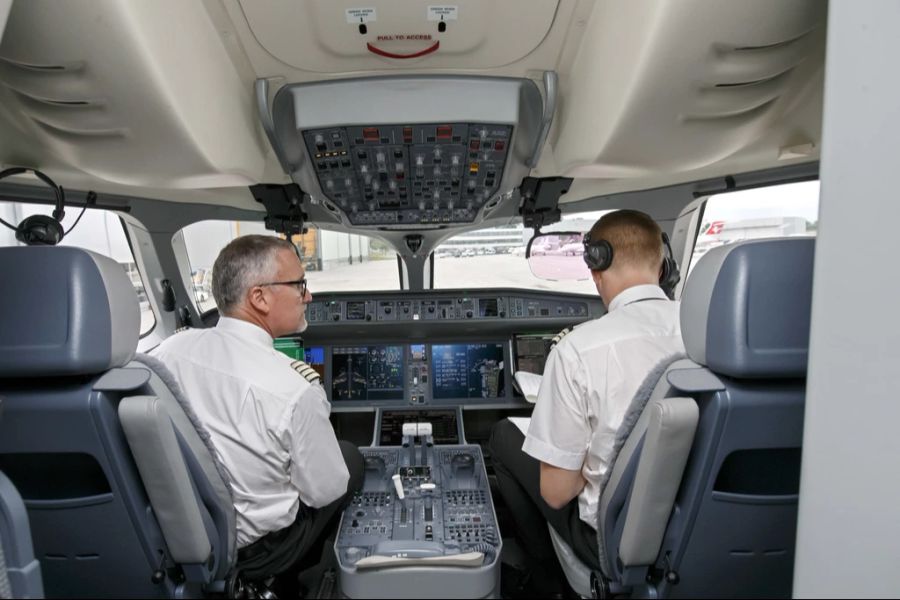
(423, 525)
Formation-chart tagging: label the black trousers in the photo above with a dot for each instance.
(519, 479)
(287, 549)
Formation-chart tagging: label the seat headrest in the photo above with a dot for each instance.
(64, 311)
(745, 308)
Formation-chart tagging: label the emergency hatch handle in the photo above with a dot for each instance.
(375, 50)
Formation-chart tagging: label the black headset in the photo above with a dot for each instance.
(598, 255)
(40, 230)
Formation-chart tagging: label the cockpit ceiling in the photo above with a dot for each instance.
(156, 99)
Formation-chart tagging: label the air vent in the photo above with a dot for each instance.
(25, 97)
(753, 82)
(68, 67)
(72, 135)
(52, 96)
(746, 81)
(772, 46)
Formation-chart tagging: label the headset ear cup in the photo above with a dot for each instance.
(598, 254)
(669, 275)
(40, 230)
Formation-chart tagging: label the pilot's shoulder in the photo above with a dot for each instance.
(182, 339)
(306, 371)
(588, 333)
(559, 336)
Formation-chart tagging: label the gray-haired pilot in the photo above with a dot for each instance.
(267, 415)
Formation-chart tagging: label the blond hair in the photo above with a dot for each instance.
(636, 239)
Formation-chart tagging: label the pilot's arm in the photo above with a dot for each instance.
(317, 467)
(559, 486)
(559, 434)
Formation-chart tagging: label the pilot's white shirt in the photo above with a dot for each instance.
(589, 381)
(268, 423)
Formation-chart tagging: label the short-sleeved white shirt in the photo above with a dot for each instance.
(268, 424)
(589, 381)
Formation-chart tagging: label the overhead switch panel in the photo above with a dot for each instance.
(409, 174)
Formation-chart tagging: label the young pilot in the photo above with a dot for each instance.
(553, 473)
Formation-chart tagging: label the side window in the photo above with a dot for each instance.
(334, 261)
(776, 211)
(99, 231)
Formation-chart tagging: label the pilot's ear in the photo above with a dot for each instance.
(258, 300)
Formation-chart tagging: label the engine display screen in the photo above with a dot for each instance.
(367, 373)
(467, 371)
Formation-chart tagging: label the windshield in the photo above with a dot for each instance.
(495, 257)
(335, 262)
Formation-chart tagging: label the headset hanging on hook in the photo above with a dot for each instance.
(44, 230)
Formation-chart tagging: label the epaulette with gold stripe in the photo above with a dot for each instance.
(180, 329)
(310, 374)
(559, 336)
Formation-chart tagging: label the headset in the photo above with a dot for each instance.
(40, 230)
(598, 255)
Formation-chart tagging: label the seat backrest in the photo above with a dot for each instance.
(188, 486)
(745, 321)
(67, 344)
(649, 456)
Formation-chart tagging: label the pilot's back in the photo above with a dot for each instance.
(265, 417)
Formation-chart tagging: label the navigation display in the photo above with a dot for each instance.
(467, 371)
(367, 373)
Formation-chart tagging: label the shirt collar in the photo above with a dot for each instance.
(245, 330)
(636, 293)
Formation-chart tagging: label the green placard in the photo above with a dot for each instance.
(291, 346)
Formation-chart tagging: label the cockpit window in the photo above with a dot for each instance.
(99, 231)
(335, 262)
(495, 257)
(786, 210)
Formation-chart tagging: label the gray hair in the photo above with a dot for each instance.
(246, 261)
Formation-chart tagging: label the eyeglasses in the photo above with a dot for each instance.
(300, 284)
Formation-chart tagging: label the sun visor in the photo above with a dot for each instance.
(342, 35)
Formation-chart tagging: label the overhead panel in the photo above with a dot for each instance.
(433, 173)
(396, 152)
(348, 35)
